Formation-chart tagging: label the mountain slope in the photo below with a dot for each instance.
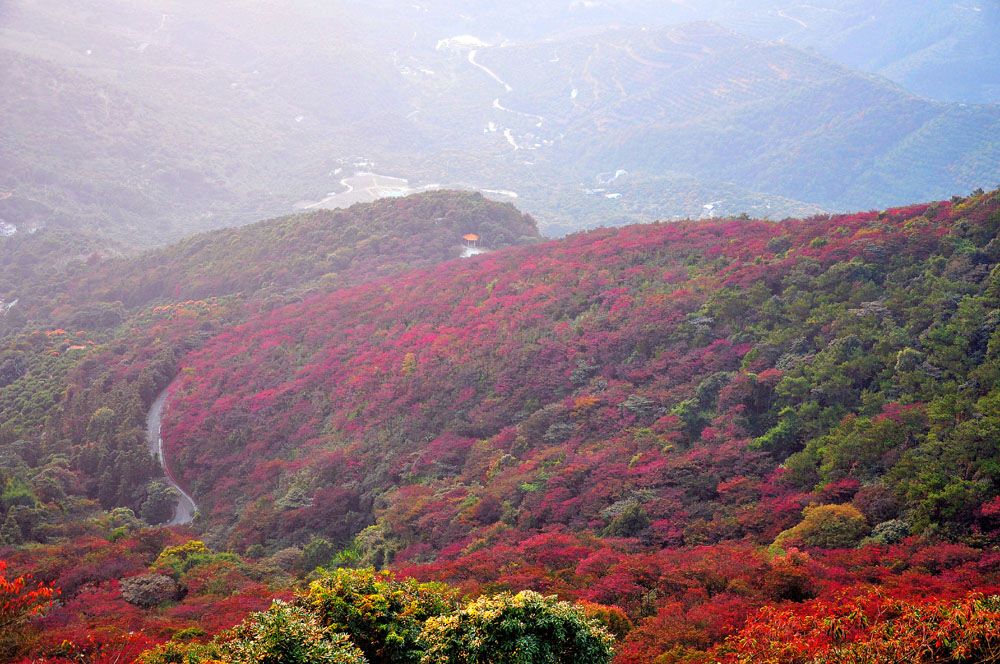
(938, 49)
(91, 346)
(634, 372)
(165, 120)
(624, 417)
(321, 249)
(161, 120)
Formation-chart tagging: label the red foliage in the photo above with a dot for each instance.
(22, 598)
(577, 417)
(870, 627)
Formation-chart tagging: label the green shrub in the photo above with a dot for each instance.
(384, 616)
(526, 628)
(826, 526)
(287, 634)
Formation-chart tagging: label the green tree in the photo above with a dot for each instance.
(384, 616)
(287, 634)
(160, 503)
(102, 424)
(631, 521)
(526, 628)
(317, 553)
(826, 526)
(10, 532)
(409, 364)
(284, 634)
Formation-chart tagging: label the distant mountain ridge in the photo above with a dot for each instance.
(704, 101)
(939, 49)
(170, 121)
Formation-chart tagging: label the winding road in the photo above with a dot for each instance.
(492, 74)
(184, 512)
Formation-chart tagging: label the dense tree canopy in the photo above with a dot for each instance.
(678, 383)
(671, 426)
(359, 616)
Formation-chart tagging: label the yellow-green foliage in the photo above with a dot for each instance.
(284, 634)
(383, 615)
(826, 526)
(526, 628)
(287, 634)
(194, 563)
(359, 616)
(175, 557)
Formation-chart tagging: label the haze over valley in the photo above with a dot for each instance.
(165, 118)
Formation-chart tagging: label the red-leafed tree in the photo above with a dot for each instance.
(21, 599)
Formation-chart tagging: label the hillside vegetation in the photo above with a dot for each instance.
(820, 383)
(91, 343)
(499, 332)
(724, 440)
(274, 258)
(573, 382)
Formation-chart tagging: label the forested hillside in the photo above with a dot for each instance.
(819, 383)
(713, 436)
(564, 383)
(499, 332)
(321, 249)
(90, 343)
